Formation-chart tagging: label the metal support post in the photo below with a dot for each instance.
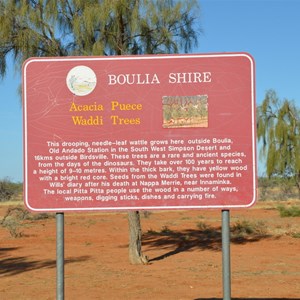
(226, 255)
(60, 285)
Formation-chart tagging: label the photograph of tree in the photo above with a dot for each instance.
(185, 111)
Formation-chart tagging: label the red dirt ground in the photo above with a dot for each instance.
(184, 248)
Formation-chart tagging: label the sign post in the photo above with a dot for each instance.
(226, 254)
(60, 250)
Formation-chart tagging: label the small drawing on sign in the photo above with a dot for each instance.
(81, 80)
(185, 111)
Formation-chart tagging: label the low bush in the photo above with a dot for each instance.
(246, 228)
(9, 189)
(277, 188)
(291, 211)
(16, 217)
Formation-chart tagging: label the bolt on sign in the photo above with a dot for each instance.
(139, 132)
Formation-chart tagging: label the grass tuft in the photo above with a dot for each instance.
(292, 211)
(246, 228)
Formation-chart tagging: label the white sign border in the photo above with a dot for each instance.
(142, 57)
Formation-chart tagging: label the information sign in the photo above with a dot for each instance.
(139, 132)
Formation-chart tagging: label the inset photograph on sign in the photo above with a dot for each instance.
(185, 111)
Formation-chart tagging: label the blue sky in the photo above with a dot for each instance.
(267, 29)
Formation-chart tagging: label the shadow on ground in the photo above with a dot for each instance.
(191, 239)
(15, 265)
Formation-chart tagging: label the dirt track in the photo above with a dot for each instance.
(184, 248)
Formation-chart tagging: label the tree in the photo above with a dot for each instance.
(31, 28)
(89, 27)
(278, 127)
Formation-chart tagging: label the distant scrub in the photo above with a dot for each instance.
(277, 188)
(9, 189)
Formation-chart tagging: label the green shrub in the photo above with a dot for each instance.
(202, 226)
(296, 235)
(292, 211)
(16, 217)
(13, 220)
(246, 228)
(9, 189)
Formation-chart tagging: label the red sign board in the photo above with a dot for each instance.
(139, 132)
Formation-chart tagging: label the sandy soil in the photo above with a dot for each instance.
(184, 248)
